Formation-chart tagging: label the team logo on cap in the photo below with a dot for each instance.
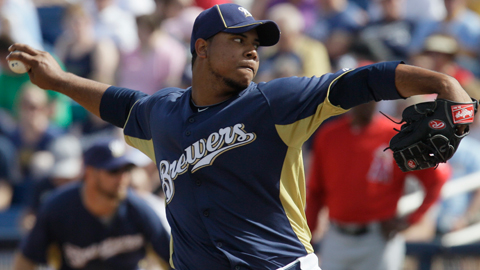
(245, 11)
(117, 148)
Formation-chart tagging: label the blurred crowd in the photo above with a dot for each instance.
(144, 45)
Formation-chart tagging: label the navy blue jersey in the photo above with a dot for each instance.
(232, 173)
(85, 242)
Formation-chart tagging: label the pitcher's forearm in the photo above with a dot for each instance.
(411, 80)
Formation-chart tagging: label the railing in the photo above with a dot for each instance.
(454, 250)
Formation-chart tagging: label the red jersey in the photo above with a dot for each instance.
(210, 3)
(356, 179)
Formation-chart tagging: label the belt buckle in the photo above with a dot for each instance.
(295, 266)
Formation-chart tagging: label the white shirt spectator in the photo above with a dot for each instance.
(415, 10)
(19, 18)
(137, 7)
(115, 23)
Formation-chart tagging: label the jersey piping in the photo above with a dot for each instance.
(292, 183)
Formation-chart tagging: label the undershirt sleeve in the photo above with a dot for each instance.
(116, 104)
(378, 79)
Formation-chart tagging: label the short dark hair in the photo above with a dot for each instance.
(149, 21)
(194, 57)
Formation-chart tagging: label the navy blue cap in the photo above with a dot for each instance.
(108, 154)
(232, 18)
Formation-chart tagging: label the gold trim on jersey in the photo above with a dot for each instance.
(54, 256)
(292, 179)
(146, 146)
(171, 252)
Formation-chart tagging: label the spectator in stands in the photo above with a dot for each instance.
(440, 54)
(308, 9)
(111, 21)
(167, 9)
(19, 19)
(390, 35)
(474, 5)
(90, 128)
(66, 154)
(204, 4)
(159, 60)
(364, 4)
(461, 23)
(180, 27)
(50, 13)
(87, 56)
(338, 21)
(137, 7)
(82, 53)
(5, 25)
(97, 223)
(300, 54)
(142, 183)
(413, 10)
(34, 133)
(10, 82)
(361, 192)
(8, 172)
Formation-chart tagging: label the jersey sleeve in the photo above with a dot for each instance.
(299, 105)
(116, 104)
(130, 110)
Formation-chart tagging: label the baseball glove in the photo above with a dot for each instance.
(429, 133)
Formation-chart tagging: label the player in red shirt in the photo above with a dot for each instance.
(359, 182)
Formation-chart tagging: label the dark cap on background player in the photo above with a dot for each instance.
(108, 154)
(235, 19)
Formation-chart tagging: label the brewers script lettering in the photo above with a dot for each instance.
(202, 153)
(79, 257)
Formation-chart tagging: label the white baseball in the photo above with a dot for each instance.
(18, 66)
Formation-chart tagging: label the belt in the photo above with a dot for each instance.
(308, 262)
(351, 229)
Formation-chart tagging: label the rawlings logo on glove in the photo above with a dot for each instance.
(463, 114)
(437, 124)
(429, 133)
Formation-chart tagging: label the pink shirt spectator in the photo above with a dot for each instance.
(149, 71)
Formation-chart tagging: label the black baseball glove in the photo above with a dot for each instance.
(429, 133)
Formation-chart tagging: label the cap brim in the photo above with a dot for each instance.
(268, 31)
(117, 163)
